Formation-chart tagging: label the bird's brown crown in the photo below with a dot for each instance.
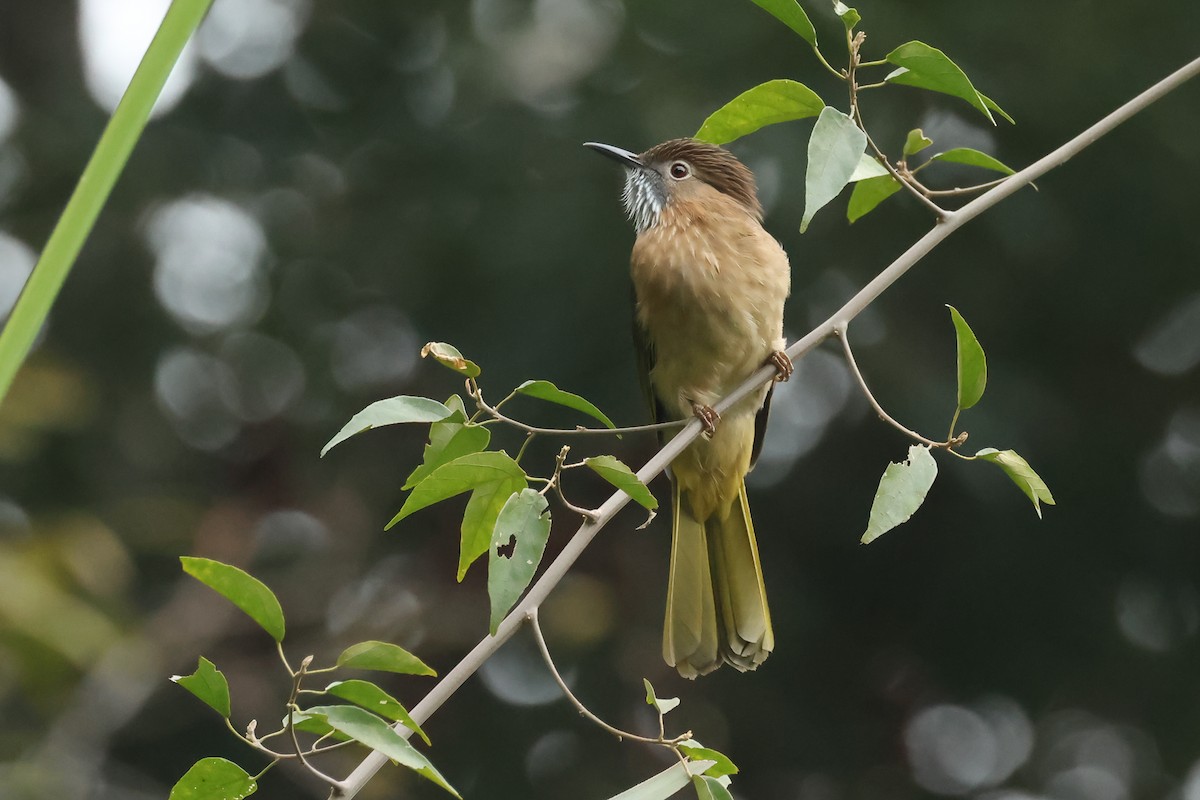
(714, 165)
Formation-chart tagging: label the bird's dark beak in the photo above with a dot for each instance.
(626, 158)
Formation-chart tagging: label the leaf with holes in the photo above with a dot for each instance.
(393, 411)
(207, 683)
(901, 491)
(972, 366)
(1022, 475)
(517, 544)
(834, 152)
(384, 657)
(766, 104)
(366, 728)
(246, 592)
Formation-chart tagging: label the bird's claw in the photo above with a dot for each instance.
(783, 364)
(708, 418)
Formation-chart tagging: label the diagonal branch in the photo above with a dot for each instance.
(554, 573)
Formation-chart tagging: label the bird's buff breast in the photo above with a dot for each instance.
(710, 286)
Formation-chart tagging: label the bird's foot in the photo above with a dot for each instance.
(708, 418)
(783, 364)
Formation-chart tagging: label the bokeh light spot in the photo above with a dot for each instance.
(113, 36)
(266, 377)
(247, 39)
(373, 346)
(10, 111)
(209, 272)
(1172, 346)
(186, 385)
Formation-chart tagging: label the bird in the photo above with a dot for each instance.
(709, 287)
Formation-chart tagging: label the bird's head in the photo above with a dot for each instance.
(677, 170)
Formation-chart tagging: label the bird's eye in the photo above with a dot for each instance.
(679, 170)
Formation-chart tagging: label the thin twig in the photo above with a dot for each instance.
(256, 742)
(283, 658)
(840, 332)
(855, 45)
(535, 625)
(293, 708)
(472, 661)
(556, 481)
(495, 413)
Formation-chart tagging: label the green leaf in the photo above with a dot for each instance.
(834, 151)
(901, 491)
(722, 765)
(363, 726)
(665, 783)
(972, 366)
(376, 700)
(661, 705)
(1022, 475)
(766, 104)
(448, 356)
(246, 592)
(974, 158)
(525, 520)
(990, 103)
(850, 17)
(392, 411)
(868, 167)
(927, 67)
(209, 684)
(710, 788)
(545, 390)
(622, 477)
(479, 520)
(791, 14)
(214, 779)
(317, 726)
(915, 142)
(868, 194)
(383, 656)
(448, 441)
(491, 477)
(460, 475)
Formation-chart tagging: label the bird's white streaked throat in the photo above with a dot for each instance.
(644, 197)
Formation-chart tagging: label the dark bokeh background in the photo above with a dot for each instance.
(334, 183)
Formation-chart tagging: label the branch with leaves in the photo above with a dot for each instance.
(510, 521)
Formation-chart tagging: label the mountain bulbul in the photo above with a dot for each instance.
(709, 286)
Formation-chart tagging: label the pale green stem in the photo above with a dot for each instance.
(95, 185)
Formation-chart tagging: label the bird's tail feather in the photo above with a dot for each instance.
(716, 601)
